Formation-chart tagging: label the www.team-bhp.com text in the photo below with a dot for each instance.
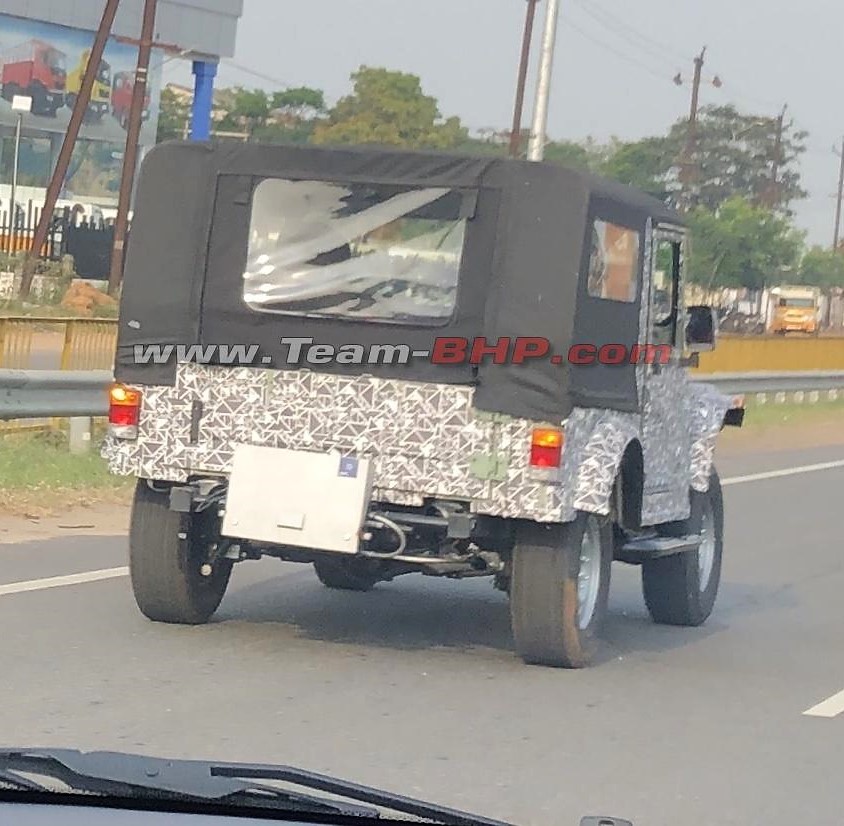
(445, 351)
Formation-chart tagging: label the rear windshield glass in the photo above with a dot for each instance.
(365, 252)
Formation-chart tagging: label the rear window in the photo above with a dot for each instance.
(358, 251)
(614, 262)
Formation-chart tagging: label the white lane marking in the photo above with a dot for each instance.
(830, 707)
(777, 474)
(62, 581)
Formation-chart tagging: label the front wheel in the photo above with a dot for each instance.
(167, 553)
(560, 589)
(681, 589)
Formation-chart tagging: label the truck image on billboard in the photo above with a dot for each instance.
(47, 63)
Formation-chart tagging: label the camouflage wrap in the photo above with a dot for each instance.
(595, 444)
(426, 440)
(706, 410)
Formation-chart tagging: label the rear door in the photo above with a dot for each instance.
(295, 242)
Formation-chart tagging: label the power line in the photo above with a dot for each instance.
(282, 84)
(621, 55)
(626, 31)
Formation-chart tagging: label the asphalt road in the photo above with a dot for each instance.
(415, 687)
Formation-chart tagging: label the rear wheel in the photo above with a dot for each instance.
(166, 569)
(346, 574)
(681, 589)
(560, 589)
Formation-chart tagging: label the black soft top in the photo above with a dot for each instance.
(523, 271)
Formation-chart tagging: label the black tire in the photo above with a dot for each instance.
(674, 591)
(70, 100)
(165, 570)
(544, 596)
(39, 99)
(343, 574)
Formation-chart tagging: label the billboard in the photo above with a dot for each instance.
(47, 62)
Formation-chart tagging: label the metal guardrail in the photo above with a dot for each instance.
(772, 382)
(32, 394)
(29, 394)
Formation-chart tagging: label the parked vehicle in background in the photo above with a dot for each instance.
(796, 310)
(100, 93)
(121, 98)
(38, 70)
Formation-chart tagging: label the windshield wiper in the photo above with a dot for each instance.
(133, 776)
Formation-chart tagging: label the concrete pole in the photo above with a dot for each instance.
(839, 199)
(13, 207)
(80, 435)
(536, 147)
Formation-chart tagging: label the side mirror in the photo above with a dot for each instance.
(701, 329)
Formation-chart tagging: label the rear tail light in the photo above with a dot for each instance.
(546, 447)
(124, 412)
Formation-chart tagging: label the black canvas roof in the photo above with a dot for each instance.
(520, 276)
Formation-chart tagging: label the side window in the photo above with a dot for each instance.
(665, 292)
(614, 262)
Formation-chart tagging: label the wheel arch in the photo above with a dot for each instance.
(709, 411)
(630, 485)
(597, 443)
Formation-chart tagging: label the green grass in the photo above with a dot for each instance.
(771, 414)
(38, 475)
(15, 308)
(34, 462)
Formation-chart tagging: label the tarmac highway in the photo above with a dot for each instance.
(415, 687)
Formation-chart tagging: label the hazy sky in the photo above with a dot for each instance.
(613, 71)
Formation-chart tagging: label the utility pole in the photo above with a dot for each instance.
(66, 153)
(20, 104)
(130, 156)
(536, 147)
(837, 236)
(516, 132)
(773, 195)
(687, 175)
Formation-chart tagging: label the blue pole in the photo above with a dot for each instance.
(203, 100)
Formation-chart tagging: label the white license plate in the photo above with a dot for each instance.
(297, 498)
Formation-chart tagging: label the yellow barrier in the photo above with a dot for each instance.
(748, 354)
(28, 343)
(15, 342)
(89, 344)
